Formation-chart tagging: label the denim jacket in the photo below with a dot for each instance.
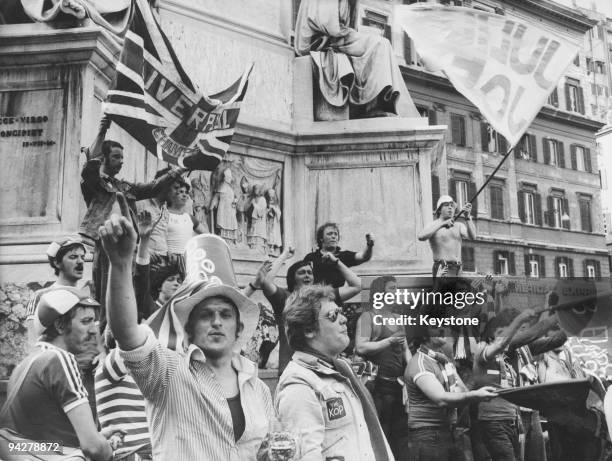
(100, 194)
(322, 405)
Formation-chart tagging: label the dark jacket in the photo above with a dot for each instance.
(100, 194)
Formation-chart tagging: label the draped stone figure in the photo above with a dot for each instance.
(351, 66)
(112, 15)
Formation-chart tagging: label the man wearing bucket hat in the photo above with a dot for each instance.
(445, 236)
(47, 401)
(203, 401)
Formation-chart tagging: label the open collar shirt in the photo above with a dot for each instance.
(188, 413)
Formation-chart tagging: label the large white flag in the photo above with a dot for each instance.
(504, 66)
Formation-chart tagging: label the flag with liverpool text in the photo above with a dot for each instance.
(506, 67)
(154, 100)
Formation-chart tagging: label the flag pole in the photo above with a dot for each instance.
(489, 178)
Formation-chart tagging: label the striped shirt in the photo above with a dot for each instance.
(52, 387)
(188, 412)
(120, 405)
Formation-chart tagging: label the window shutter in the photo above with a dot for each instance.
(452, 189)
(467, 259)
(548, 217)
(496, 268)
(580, 100)
(573, 157)
(541, 266)
(484, 136)
(521, 206)
(455, 129)
(435, 189)
(546, 146)
(462, 130)
(502, 144)
(432, 116)
(585, 271)
(570, 267)
(533, 151)
(554, 98)
(537, 199)
(566, 224)
(527, 266)
(568, 104)
(471, 192)
(585, 215)
(587, 160)
(557, 262)
(511, 265)
(387, 32)
(597, 269)
(561, 151)
(407, 49)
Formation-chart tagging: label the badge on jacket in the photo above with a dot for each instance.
(335, 408)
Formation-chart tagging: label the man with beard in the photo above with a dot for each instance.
(318, 393)
(99, 186)
(445, 236)
(47, 401)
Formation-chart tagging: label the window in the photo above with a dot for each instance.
(564, 267)
(553, 99)
(376, 23)
(592, 269)
(574, 99)
(558, 210)
(491, 140)
(589, 64)
(526, 148)
(468, 263)
(534, 265)
(580, 158)
(503, 263)
(553, 152)
(577, 60)
(461, 188)
(600, 67)
(584, 203)
(496, 192)
(430, 114)
(530, 205)
(457, 129)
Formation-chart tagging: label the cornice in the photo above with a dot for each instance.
(562, 15)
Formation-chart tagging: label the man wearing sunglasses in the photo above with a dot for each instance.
(318, 393)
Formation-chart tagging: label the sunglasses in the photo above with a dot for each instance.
(332, 315)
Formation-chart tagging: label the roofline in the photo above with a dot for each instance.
(561, 14)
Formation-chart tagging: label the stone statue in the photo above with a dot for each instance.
(112, 15)
(242, 209)
(351, 66)
(200, 194)
(224, 202)
(275, 241)
(258, 232)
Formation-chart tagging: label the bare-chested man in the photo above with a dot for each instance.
(445, 236)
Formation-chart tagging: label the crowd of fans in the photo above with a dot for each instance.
(388, 393)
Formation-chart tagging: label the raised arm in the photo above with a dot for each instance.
(118, 238)
(154, 188)
(268, 285)
(366, 254)
(95, 150)
(500, 343)
(353, 282)
(468, 231)
(430, 229)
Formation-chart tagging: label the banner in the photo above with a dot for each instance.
(505, 67)
(156, 103)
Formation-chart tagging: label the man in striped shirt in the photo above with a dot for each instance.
(205, 402)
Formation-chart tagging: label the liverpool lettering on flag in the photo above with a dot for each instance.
(155, 101)
(505, 67)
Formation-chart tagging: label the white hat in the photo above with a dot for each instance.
(55, 303)
(444, 199)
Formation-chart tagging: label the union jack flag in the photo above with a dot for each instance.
(154, 100)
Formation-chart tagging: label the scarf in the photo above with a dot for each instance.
(449, 372)
(377, 436)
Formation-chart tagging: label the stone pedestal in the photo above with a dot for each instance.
(51, 85)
